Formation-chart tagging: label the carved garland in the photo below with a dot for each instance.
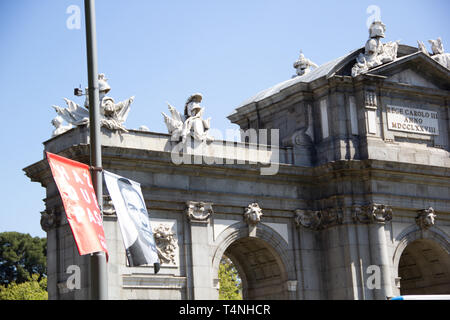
(372, 213)
(321, 219)
(318, 219)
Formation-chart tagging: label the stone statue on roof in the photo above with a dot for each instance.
(191, 124)
(302, 65)
(437, 52)
(375, 53)
(57, 122)
(112, 115)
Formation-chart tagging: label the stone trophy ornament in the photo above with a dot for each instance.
(112, 115)
(375, 53)
(166, 243)
(191, 124)
(437, 52)
(302, 65)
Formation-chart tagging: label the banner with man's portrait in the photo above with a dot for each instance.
(134, 223)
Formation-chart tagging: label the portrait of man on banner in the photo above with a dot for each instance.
(134, 223)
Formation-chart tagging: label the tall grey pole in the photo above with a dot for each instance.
(99, 286)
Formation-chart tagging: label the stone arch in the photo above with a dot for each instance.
(263, 261)
(421, 261)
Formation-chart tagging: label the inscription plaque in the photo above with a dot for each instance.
(412, 120)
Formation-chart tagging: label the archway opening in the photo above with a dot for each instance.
(424, 268)
(260, 269)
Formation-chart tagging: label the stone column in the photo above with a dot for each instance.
(198, 214)
(379, 270)
(378, 250)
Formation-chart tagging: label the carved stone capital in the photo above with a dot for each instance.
(309, 219)
(252, 214)
(166, 243)
(372, 213)
(49, 219)
(318, 219)
(425, 218)
(199, 211)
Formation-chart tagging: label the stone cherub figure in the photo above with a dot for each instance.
(191, 124)
(437, 52)
(302, 65)
(375, 52)
(112, 115)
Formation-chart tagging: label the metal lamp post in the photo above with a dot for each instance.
(99, 287)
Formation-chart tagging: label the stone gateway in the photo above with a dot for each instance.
(358, 208)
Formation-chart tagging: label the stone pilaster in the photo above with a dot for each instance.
(198, 214)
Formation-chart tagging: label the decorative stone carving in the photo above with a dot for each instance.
(143, 128)
(437, 52)
(199, 211)
(166, 243)
(309, 219)
(108, 205)
(252, 214)
(191, 124)
(370, 99)
(425, 218)
(331, 217)
(375, 52)
(372, 213)
(49, 219)
(303, 65)
(112, 115)
(318, 219)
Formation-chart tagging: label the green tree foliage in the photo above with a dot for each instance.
(230, 283)
(33, 289)
(21, 256)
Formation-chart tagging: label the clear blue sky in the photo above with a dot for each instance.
(162, 51)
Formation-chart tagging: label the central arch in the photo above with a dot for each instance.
(262, 261)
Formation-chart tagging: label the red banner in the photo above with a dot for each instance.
(74, 183)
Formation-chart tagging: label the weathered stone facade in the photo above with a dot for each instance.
(352, 194)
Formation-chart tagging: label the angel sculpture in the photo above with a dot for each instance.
(112, 115)
(191, 124)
